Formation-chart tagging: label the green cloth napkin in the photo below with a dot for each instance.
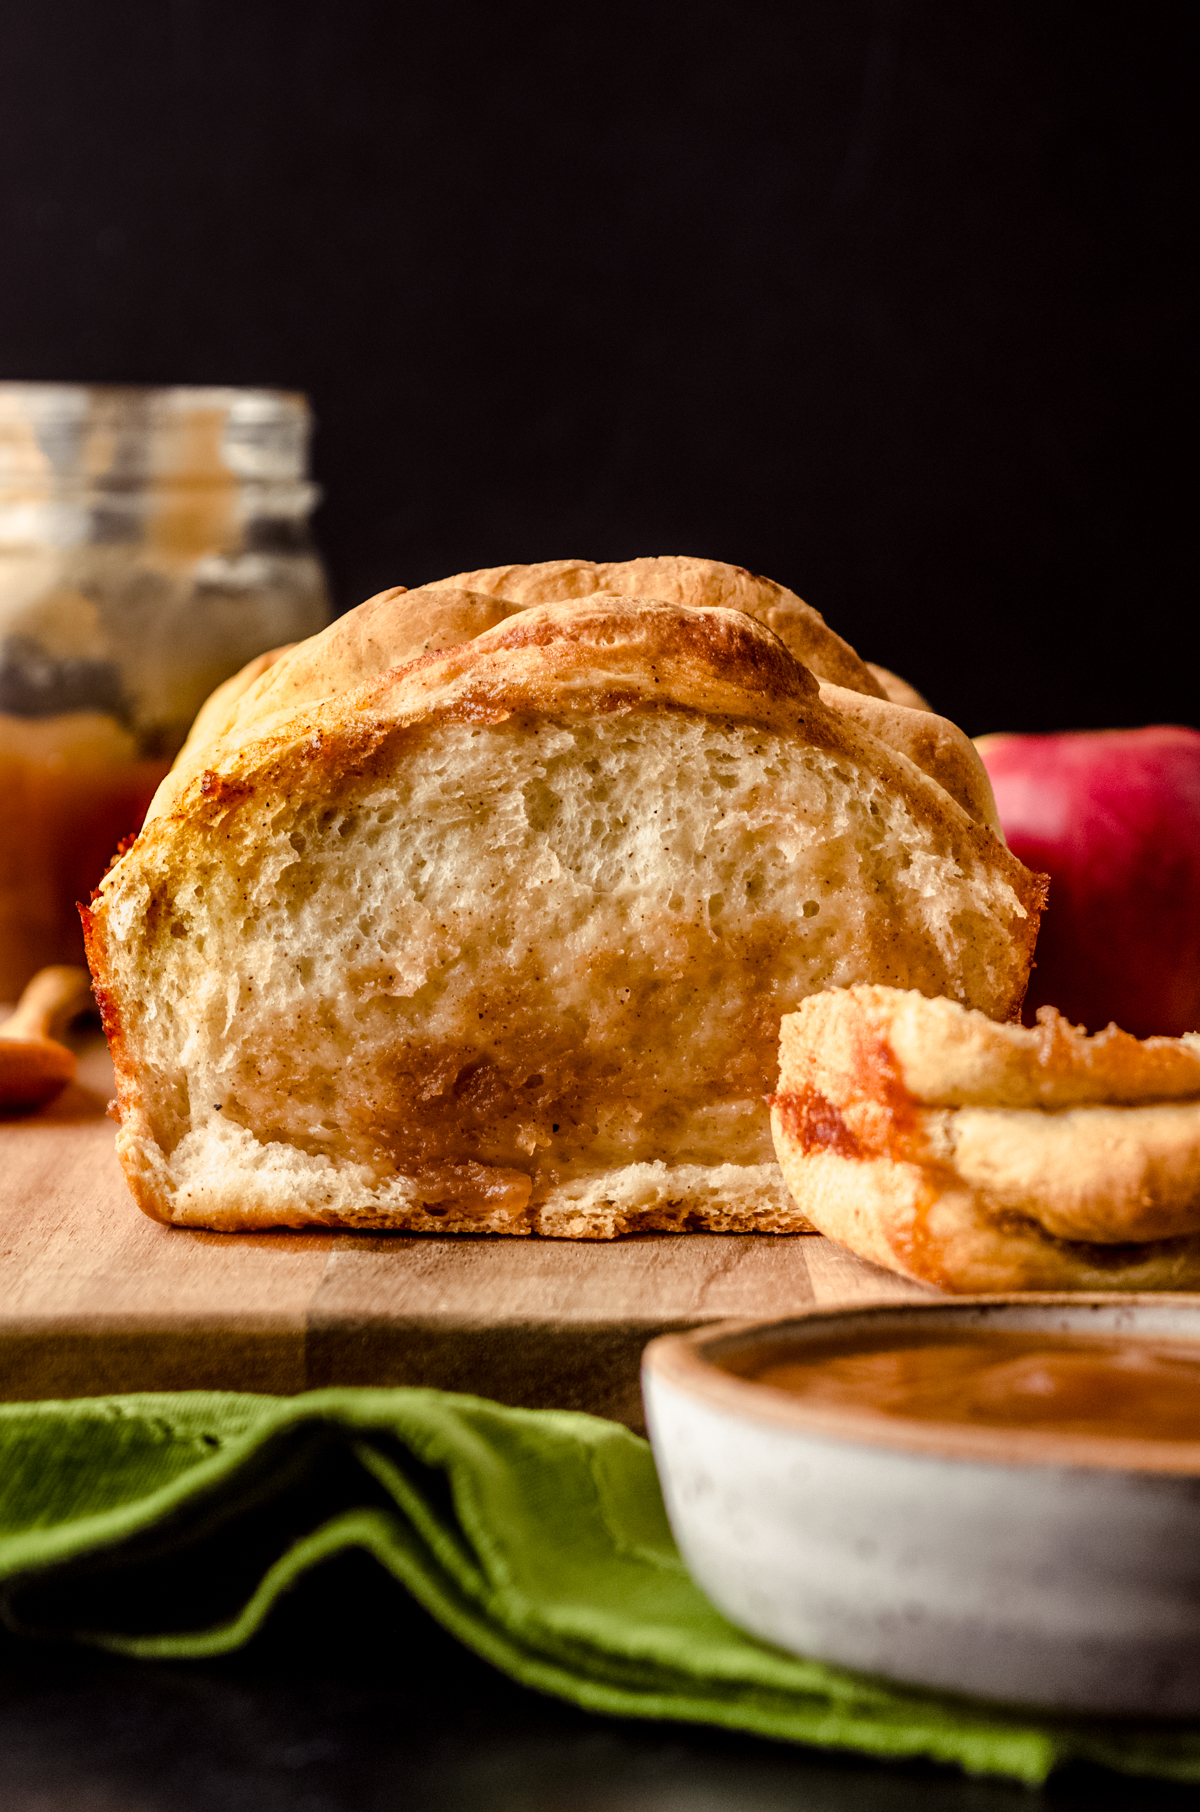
(168, 1525)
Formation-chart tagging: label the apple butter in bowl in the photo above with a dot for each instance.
(1048, 1384)
(999, 1498)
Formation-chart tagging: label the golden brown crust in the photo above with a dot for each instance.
(699, 584)
(398, 626)
(605, 656)
(137, 1155)
(901, 1216)
(977, 1156)
(940, 1054)
(898, 690)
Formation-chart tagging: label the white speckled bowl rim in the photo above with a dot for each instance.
(692, 1363)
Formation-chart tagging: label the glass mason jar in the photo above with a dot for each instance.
(151, 542)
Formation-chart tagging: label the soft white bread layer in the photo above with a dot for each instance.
(398, 626)
(500, 941)
(985, 1157)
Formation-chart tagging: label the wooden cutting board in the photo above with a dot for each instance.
(95, 1297)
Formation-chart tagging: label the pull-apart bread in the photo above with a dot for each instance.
(984, 1157)
(496, 936)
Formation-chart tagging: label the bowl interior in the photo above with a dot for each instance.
(724, 1364)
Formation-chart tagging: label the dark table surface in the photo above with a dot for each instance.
(352, 1698)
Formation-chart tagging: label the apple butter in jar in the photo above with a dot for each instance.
(152, 541)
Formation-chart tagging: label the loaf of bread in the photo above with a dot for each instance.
(983, 1157)
(498, 939)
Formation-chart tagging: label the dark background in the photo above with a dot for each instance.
(887, 300)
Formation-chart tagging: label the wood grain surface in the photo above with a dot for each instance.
(97, 1298)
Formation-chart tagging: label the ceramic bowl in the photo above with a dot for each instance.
(1006, 1564)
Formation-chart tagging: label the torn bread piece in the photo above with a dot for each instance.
(981, 1157)
(499, 941)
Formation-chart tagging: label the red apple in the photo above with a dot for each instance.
(1113, 816)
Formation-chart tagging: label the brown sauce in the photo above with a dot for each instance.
(1059, 1384)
